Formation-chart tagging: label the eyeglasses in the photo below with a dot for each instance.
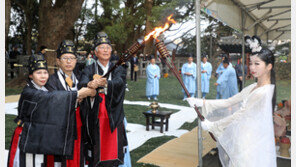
(68, 58)
(104, 48)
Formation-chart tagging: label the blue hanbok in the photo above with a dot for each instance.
(127, 157)
(189, 80)
(219, 72)
(205, 77)
(228, 83)
(152, 83)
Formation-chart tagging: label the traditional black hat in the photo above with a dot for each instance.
(226, 60)
(204, 56)
(66, 46)
(223, 55)
(42, 47)
(151, 56)
(190, 55)
(36, 62)
(101, 38)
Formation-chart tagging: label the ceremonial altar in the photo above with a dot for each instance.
(164, 119)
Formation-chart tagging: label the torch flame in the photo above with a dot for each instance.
(158, 30)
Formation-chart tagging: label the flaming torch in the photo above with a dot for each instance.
(165, 56)
(137, 46)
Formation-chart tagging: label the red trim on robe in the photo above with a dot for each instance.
(14, 145)
(49, 161)
(108, 140)
(75, 162)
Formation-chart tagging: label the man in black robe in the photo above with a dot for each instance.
(67, 80)
(105, 112)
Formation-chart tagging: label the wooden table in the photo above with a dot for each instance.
(164, 119)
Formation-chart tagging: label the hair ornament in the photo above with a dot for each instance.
(254, 43)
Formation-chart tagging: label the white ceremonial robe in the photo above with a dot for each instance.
(205, 77)
(189, 80)
(228, 83)
(152, 83)
(243, 127)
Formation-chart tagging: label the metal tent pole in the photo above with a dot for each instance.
(198, 71)
(243, 47)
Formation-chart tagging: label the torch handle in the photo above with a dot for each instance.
(164, 55)
(126, 56)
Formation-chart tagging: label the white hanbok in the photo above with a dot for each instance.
(243, 127)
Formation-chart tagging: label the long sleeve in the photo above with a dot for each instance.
(158, 72)
(183, 69)
(212, 105)
(209, 70)
(254, 100)
(194, 71)
(86, 76)
(150, 74)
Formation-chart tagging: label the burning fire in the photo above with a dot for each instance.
(158, 30)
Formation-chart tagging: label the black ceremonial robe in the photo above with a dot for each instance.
(77, 159)
(44, 124)
(105, 126)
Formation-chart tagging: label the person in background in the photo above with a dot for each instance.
(89, 60)
(206, 72)
(219, 72)
(13, 59)
(114, 57)
(153, 76)
(227, 81)
(239, 73)
(188, 72)
(134, 67)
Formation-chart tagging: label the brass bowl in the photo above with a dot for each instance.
(154, 106)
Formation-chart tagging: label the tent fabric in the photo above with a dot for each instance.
(273, 18)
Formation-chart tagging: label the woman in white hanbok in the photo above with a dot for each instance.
(243, 124)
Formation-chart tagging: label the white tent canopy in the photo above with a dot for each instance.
(269, 19)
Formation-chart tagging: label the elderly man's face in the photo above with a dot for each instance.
(67, 62)
(103, 52)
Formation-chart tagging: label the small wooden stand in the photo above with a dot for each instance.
(163, 115)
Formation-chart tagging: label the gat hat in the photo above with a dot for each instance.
(66, 46)
(36, 62)
(101, 38)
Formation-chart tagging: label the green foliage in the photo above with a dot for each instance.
(125, 23)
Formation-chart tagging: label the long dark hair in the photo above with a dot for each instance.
(267, 56)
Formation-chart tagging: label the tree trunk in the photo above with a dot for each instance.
(7, 19)
(29, 25)
(55, 23)
(148, 27)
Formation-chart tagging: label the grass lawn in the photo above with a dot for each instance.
(170, 92)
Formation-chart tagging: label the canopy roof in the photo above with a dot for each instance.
(268, 19)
